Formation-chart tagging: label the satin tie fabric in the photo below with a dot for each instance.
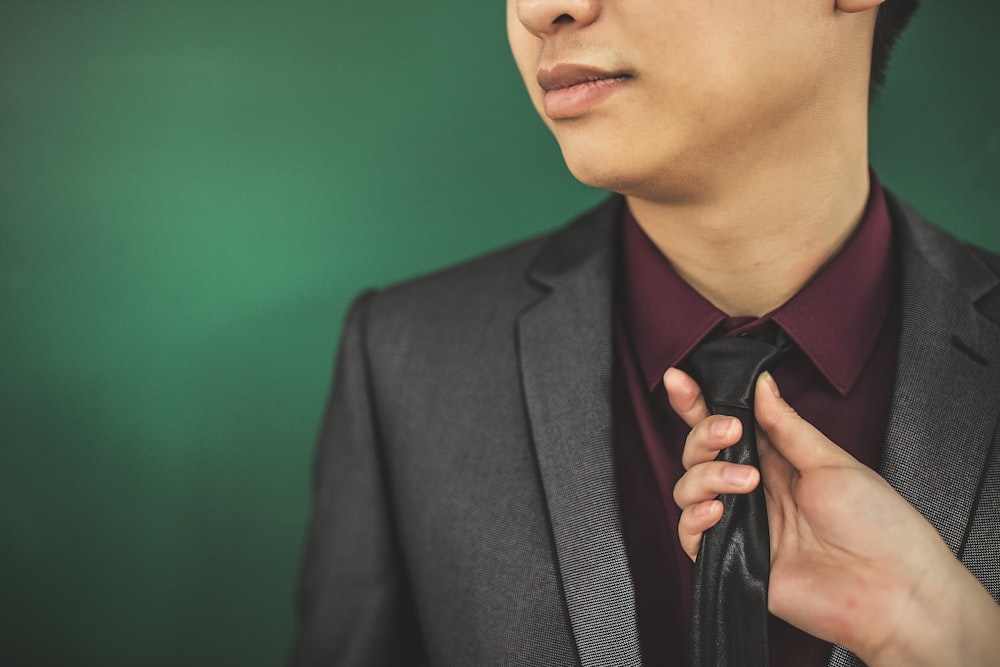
(729, 589)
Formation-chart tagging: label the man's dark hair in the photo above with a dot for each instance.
(893, 15)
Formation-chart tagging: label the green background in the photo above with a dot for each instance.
(191, 193)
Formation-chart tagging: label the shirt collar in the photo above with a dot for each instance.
(834, 319)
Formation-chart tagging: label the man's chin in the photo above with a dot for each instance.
(597, 173)
(664, 182)
(608, 176)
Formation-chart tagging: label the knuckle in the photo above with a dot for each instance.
(680, 495)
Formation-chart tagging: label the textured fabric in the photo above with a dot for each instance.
(566, 381)
(458, 522)
(660, 319)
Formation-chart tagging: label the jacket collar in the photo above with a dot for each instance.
(945, 405)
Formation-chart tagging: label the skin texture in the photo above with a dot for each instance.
(736, 120)
(715, 84)
(738, 133)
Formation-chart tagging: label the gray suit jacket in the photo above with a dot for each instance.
(466, 509)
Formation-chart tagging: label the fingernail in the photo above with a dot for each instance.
(771, 384)
(737, 475)
(722, 428)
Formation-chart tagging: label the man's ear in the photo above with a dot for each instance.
(851, 6)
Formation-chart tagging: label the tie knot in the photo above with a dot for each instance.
(727, 369)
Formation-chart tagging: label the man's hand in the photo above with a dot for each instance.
(851, 561)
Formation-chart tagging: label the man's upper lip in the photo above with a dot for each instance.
(566, 75)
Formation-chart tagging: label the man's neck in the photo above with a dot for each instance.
(756, 242)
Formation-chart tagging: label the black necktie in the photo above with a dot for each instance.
(729, 592)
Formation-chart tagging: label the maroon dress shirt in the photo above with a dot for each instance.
(844, 324)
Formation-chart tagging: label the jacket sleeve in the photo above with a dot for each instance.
(354, 604)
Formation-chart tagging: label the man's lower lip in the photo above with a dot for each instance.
(576, 100)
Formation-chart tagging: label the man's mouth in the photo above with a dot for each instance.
(573, 90)
(568, 75)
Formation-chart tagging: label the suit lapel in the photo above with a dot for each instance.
(944, 407)
(566, 360)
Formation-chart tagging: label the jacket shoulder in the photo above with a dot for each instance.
(497, 284)
(970, 269)
(463, 292)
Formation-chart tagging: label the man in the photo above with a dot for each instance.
(506, 440)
